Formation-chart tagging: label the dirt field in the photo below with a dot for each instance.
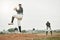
(25, 36)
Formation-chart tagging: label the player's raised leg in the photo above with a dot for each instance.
(11, 21)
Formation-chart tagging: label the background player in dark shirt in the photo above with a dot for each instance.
(48, 26)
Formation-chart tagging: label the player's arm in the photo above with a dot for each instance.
(16, 9)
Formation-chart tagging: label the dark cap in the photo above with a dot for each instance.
(19, 4)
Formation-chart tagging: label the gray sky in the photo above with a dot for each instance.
(36, 13)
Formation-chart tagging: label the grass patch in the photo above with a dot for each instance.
(50, 38)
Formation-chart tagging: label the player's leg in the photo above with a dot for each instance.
(11, 20)
(50, 27)
(19, 25)
(19, 18)
(50, 30)
(19, 28)
(47, 31)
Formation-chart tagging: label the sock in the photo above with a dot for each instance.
(12, 19)
(19, 28)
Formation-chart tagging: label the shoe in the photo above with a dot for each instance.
(10, 23)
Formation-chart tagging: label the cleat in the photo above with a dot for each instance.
(10, 23)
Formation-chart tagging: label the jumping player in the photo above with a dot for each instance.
(48, 26)
(19, 16)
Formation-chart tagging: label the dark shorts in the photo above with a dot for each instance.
(48, 26)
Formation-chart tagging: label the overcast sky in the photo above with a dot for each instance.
(36, 14)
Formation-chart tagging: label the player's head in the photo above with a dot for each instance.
(19, 5)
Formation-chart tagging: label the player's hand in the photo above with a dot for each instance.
(15, 8)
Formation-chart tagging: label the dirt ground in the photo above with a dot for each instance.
(22, 36)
